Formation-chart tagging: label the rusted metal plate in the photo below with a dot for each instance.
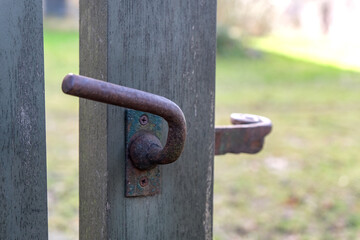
(140, 183)
(245, 136)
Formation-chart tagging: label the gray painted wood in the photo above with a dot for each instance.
(163, 47)
(23, 204)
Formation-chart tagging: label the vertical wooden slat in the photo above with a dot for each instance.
(93, 124)
(23, 204)
(163, 47)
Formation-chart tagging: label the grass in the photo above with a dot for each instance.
(305, 184)
(61, 57)
(325, 51)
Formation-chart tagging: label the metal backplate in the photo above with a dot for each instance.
(141, 183)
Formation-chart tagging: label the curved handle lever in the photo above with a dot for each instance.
(145, 149)
(245, 136)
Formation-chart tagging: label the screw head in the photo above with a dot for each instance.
(144, 181)
(144, 119)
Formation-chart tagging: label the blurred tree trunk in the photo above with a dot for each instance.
(55, 8)
(325, 16)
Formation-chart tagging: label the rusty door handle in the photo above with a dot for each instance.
(245, 136)
(145, 149)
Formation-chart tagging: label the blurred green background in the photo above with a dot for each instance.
(305, 184)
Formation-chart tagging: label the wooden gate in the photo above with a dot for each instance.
(162, 47)
(165, 48)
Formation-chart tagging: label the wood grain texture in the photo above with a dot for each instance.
(163, 47)
(23, 204)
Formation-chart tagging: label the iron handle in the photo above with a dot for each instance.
(245, 136)
(145, 149)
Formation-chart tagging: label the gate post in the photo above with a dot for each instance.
(23, 196)
(167, 48)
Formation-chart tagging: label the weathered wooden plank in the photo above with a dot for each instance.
(163, 47)
(23, 204)
(93, 135)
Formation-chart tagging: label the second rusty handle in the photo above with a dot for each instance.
(246, 135)
(145, 149)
